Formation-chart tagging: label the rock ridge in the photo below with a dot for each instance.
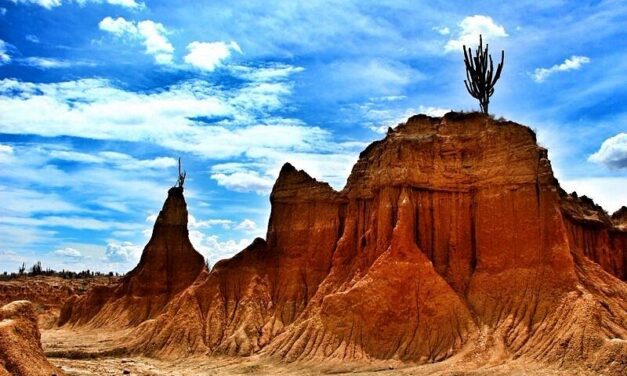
(451, 240)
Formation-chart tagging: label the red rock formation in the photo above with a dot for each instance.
(592, 232)
(20, 342)
(449, 231)
(168, 265)
(47, 293)
(245, 301)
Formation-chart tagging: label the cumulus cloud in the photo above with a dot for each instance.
(69, 253)
(469, 30)
(244, 181)
(613, 152)
(153, 36)
(573, 63)
(125, 252)
(213, 248)
(4, 56)
(209, 55)
(246, 225)
(49, 4)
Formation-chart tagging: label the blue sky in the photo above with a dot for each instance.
(99, 97)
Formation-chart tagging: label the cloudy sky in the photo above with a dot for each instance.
(99, 97)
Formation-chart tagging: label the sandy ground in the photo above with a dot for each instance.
(76, 353)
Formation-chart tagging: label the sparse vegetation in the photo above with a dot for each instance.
(481, 78)
(182, 175)
(37, 270)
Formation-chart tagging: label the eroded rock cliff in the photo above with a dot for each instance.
(168, 265)
(451, 238)
(20, 342)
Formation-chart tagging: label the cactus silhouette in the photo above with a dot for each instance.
(481, 77)
(181, 179)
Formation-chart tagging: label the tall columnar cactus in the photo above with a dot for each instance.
(481, 77)
(181, 179)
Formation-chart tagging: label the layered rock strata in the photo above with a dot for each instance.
(449, 231)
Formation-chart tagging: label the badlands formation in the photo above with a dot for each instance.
(451, 242)
(20, 347)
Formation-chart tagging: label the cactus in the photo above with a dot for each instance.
(481, 78)
(181, 179)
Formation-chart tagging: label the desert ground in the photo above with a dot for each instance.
(83, 352)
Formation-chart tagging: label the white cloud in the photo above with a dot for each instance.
(74, 222)
(613, 152)
(4, 56)
(125, 252)
(49, 4)
(6, 149)
(118, 26)
(32, 38)
(244, 129)
(469, 30)
(97, 110)
(382, 119)
(195, 224)
(52, 63)
(112, 158)
(573, 63)
(368, 77)
(268, 73)
(152, 34)
(244, 181)
(155, 40)
(68, 252)
(213, 249)
(127, 3)
(209, 55)
(20, 201)
(442, 30)
(246, 225)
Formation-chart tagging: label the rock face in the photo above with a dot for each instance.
(47, 293)
(592, 232)
(20, 347)
(168, 265)
(451, 238)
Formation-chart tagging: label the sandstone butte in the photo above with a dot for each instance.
(20, 346)
(451, 238)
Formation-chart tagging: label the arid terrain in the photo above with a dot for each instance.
(47, 293)
(451, 250)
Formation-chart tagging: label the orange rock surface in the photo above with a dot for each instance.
(20, 347)
(168, 265)
(451, 238)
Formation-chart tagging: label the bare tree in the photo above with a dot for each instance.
(181, 179)
(481, 78)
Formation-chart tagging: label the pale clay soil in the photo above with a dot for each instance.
(76, 353)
